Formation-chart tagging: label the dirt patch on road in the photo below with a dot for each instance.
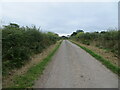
(34, 60)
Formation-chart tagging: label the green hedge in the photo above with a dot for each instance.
(107, 40)
(19, 43)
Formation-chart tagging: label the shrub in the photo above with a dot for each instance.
(105, 39)
(19, 43)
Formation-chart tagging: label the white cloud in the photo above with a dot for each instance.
(62, 17)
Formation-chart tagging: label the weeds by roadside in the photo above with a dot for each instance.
(27, 79)
(108, 64)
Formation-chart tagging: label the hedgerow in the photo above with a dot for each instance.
(20, 43)
(107, 40)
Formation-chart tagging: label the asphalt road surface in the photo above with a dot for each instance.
(72, 67)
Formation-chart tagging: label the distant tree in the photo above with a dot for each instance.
(56, 34)
(79, 34)
(12, 25)
(79, 31)
(73, 34)
(68, 35)
(64, 37)
(96, 32)
(102, 32)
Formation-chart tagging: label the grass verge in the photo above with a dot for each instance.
(105, 62)
(27, 80)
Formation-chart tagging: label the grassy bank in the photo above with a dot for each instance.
(27, 80)
(105, 62)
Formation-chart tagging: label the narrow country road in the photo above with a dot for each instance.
(72, 67)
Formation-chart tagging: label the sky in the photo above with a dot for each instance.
(61, 17)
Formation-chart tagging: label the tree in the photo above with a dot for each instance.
(12, 25)
(64, 37)
(73, 34)
(79, 31)
(79, 34)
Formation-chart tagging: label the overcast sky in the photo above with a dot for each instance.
(62, 17)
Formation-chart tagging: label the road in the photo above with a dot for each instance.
(72, 67)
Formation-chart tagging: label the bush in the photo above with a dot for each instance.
(19, 43)
(86, 42)
(105, 39)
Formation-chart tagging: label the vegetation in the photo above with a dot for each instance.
(27, 80)
(107, 63)
(20, 43)
(105, 39)
(64, 37)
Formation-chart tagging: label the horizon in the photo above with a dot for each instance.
(62, 18)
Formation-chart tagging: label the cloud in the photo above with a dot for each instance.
(62, 18)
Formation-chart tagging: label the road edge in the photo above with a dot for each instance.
(27, 80)
(106, 63)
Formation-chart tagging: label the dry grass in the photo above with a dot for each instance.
(105, 54)
(114, 68)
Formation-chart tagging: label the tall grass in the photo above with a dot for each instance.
(20, 43)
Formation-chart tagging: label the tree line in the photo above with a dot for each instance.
(108, 40)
